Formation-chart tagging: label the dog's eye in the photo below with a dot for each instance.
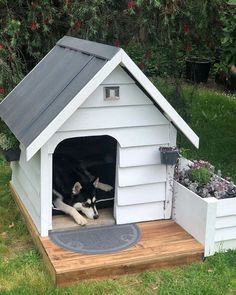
(87, 205)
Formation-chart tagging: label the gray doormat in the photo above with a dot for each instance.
(95, 240)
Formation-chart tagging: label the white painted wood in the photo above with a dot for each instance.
(140, 212)
(46, 191)
(31, 168)
(225, 221)
(118, 76)
(196, 215)
(130, 94)
(224, 234)
(141, 175)
(127, 137)
(139, 156)
(226, 207)
(114, 117)
(225, 245)
(28, 197)
(73, 105)
(169, 191)
(141, 194)
(160, 100)
(120, 57)
(173, 135)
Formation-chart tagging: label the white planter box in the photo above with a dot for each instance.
(210, 221)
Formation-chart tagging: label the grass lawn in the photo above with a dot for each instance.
(22, 270)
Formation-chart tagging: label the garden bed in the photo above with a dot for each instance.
(209, 220)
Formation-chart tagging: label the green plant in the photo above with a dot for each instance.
(201, 175)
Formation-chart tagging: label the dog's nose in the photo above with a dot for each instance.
(95, 216)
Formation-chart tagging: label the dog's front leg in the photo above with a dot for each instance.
(104, 187)
(70, 210)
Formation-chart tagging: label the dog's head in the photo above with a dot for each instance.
(84, 198)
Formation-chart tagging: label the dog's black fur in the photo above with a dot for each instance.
(74, 188)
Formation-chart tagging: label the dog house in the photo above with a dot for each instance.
(88, 94)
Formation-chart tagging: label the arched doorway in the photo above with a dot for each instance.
(98, 154)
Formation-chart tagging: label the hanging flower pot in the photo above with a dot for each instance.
(197, 69)
(169, 155)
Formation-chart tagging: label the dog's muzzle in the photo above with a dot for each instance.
(95, 216)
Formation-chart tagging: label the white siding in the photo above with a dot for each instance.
(26, 181)
(130, 95)
(139, 128)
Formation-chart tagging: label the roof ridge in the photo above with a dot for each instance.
(99, 50)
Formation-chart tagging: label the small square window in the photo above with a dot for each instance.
(112, 93)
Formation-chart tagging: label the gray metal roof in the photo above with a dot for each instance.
(51, 85)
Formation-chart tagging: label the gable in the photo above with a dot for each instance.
(51, 110)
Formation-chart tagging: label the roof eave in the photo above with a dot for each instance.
(159, 99)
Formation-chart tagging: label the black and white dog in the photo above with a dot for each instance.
(74, 188)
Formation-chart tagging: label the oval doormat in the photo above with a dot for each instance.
(95, 240)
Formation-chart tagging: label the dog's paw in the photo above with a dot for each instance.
(80, 220)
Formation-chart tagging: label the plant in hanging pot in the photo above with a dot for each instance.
(9, 145)
(169, 155)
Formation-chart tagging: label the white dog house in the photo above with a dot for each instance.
(83, 89)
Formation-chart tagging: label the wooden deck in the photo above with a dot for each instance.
(163, 244)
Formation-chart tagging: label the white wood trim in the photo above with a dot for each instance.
(225, 221)
(127, 137)
(46, 191)
(169, 191)
(73, 105)
(196, 215)
(159, 98)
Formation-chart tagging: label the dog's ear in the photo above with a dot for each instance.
(95, 183)
(76, 188)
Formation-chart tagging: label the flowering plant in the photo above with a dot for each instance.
(200, 178)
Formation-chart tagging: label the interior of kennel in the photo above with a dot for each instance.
(98, 154)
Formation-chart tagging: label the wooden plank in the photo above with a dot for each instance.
(162, 244)
(226, 207)
(139, 212)
(33, 232)
(139, 156)
(101, 118)
(130, 95)
(141, 175)
(139, 194)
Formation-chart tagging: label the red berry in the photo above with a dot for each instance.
(78, 24)
(2, 46)
(186, 28)
(2, 90)
(188, 47)
(33, 25)
(131, 4)
(117, 43)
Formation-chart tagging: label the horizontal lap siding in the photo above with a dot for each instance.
(141, 175)
(140, 128)
(225, 232)
(140, 194)
(139, 212)
(28, 194)
(114, 117)
(139, 156)
(130, 95)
